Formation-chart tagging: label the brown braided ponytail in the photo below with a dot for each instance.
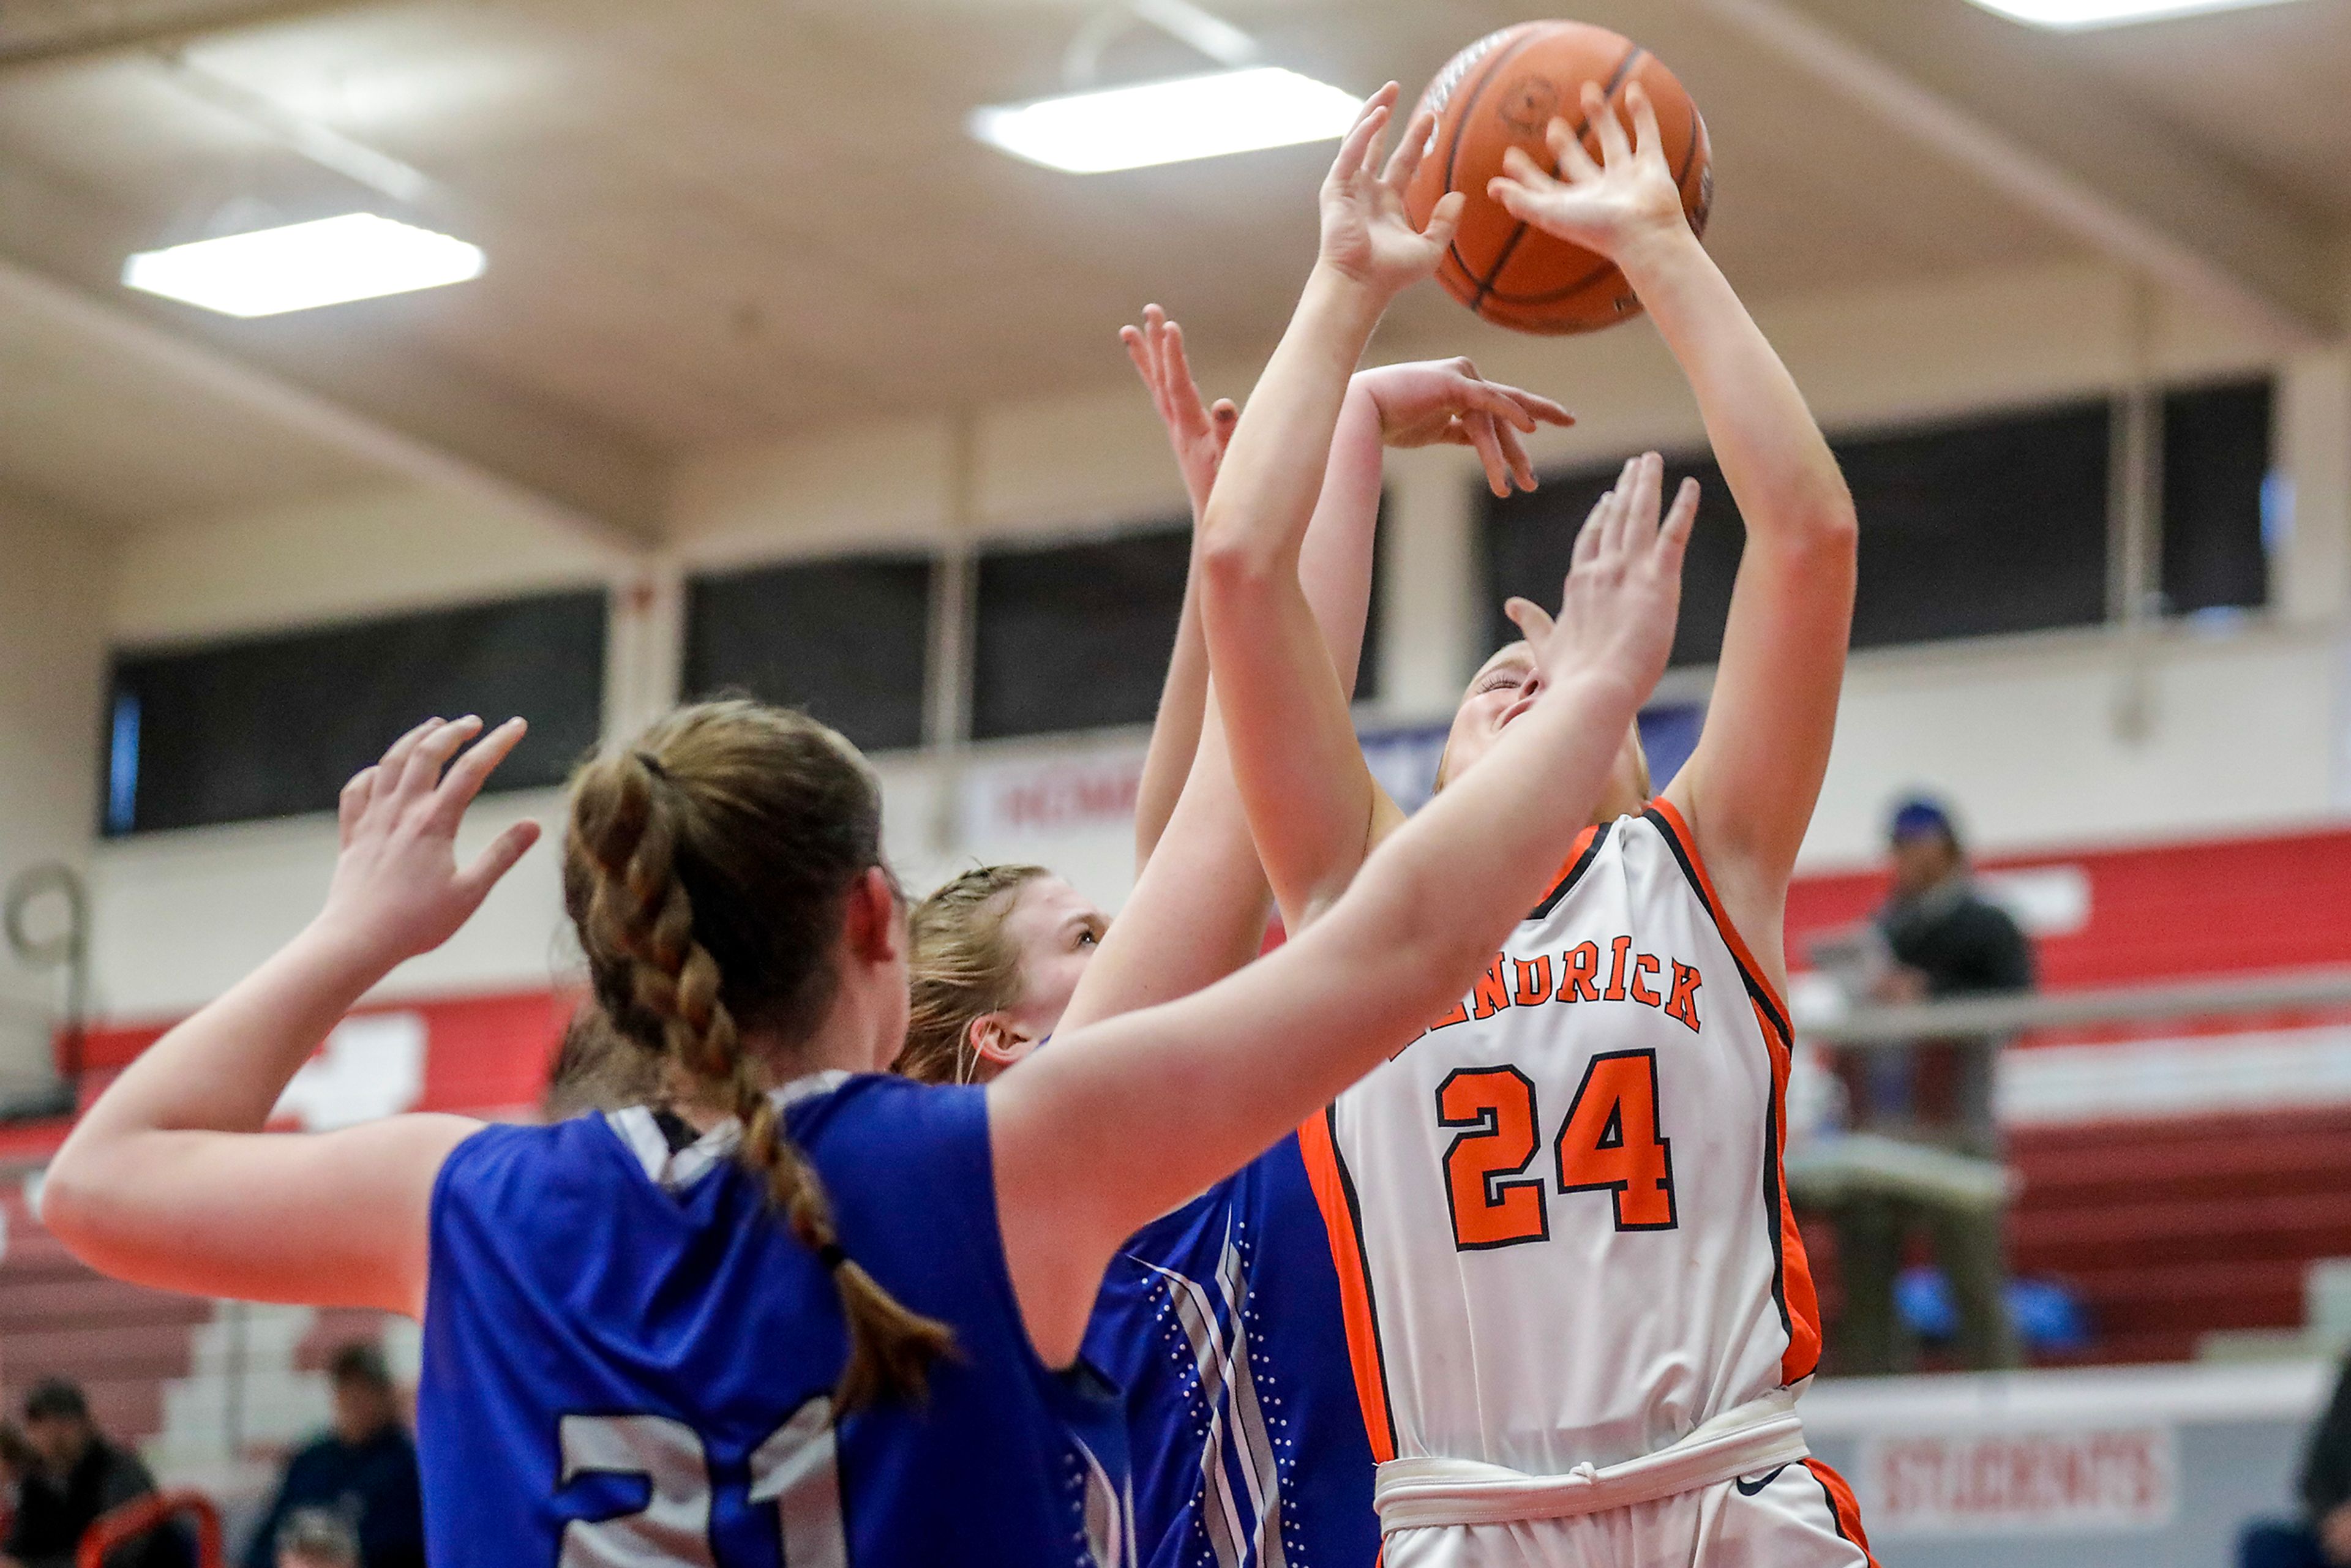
(706, 869)
(959, 967)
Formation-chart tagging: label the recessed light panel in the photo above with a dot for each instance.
(304, 265)
(2078, 13)
(1169, 121)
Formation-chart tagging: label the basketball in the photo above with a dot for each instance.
(1503, 91)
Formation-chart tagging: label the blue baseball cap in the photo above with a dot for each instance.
(1919, 818)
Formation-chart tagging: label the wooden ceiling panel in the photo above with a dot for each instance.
(716, 220)
(2264, 85)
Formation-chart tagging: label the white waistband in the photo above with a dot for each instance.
(1421, 1493)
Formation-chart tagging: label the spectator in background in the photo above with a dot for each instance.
(74, 1477)
(1944, 939)
(2321, 1538)
(317, 1537)
(364, 1471)
(17, 1460)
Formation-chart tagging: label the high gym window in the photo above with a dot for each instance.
(2222, 510)
(273, 726)
(1981, 527)
(1075, 636)
(845, 640)
(1968, 528)
(1529, 539)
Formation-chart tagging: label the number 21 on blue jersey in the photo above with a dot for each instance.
(796, 1470)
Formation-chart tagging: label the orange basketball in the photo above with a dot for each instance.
(1502, 91)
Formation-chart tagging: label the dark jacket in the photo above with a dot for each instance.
(2326, 1462)
(1963, 944)
(52, 1518)
(373, 1484)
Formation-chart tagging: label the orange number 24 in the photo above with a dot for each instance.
(1609, 1142)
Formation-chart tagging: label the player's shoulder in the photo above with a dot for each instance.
(506, 1163)
(872, 1100)
(881, 1127)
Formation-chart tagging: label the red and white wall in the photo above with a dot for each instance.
(2064, 740)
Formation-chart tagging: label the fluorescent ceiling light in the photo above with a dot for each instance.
(2071, 14)
(1169, 121)
(303, 266)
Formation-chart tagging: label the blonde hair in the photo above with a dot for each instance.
(960, 968)
(595, 1070)
(707, 868)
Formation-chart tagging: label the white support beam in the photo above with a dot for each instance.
(1986, 94)
(284, 404)
(34, 34)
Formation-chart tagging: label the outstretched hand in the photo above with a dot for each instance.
(1445, 401)
(397, 889)
(1366, 234)
(1198, 431)
(1605, 206)
(1624, 588)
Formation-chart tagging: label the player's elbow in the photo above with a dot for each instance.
(75, 1195)
(1838, 525)
(1815, 535)
(1827, 521)
(1236, 565)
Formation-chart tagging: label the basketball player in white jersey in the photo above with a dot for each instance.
(1579, 1312)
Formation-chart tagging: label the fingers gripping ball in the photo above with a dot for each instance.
(1503, 91)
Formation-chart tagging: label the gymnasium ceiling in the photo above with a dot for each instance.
(716, 220)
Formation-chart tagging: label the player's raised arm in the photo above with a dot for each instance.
(1750, 787)
(1197, 433)
(1197, 911)
(1099, 1134)
(1199, 905)
(1313, 803)
(169, 1179)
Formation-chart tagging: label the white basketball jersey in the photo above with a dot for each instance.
(1558, 1215)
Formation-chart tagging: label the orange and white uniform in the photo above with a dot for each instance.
(1579, 1310)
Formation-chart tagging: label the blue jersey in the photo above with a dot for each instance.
(1223, 1320)
(629, 1359)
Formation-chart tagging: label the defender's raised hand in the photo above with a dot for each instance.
(1366, 234)
(1624, 588)
(1605, 206)
(1197, 430)
(1432, 403)
(398, 889)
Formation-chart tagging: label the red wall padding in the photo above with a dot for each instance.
(2160, 912)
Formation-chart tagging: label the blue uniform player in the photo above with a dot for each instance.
(1223, 1321)
(575, 1407)
(882, 1297)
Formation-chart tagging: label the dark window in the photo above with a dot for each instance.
(845, 640)
(272, 726)
(1367, 666)
(1967, 529)
(1076, 636)
(2215, 463)
(1987, 526)
(1529, 540)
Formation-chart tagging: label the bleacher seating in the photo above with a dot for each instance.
(62, 1318)
(2172, 1228)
